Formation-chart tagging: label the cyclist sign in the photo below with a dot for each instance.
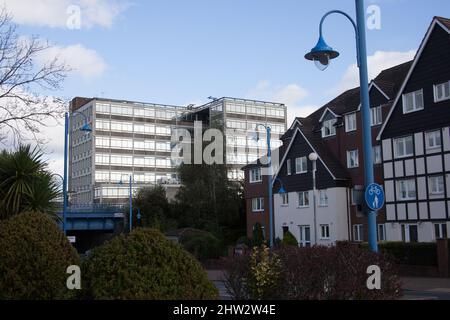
(375, 197)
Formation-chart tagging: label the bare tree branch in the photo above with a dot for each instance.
(23, 83)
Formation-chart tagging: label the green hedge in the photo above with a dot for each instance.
(203, 247)
(34, 256)
(144, 265)
(413, 254)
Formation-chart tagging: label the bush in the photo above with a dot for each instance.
(34, 256)
(413, 254)
(254, 276)
(289, 240)
(319, 273)
(145, 265)
(244, 240)
(203, 247)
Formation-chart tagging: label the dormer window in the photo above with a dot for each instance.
(442, 92)
(350, 122)
(328, 128)
(413, 101)
(255, 175)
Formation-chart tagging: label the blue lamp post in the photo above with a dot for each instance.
(269, 179)
(87, 129)
(130, 200)
(322, 54)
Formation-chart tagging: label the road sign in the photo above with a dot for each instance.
(375, 197)
(72, 239)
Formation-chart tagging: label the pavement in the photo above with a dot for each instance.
(217, 277)
(426, 289)
(413, 288)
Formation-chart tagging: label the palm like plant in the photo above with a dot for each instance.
(25, 185)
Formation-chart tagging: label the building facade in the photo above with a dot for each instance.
(140, 140)
(416, 145)
(410, 118)
(329, 212)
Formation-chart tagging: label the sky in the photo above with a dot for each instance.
(180, 52)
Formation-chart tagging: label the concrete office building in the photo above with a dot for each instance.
(135, 139)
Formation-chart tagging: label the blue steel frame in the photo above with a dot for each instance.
(361, 49)
(269, 180)
(85, 128)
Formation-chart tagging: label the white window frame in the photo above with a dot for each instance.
(403, 140)
(330, 125)
(358, 231)
(405, 232)
(440, 228)
(434, 185)
(435, 90)
(288, 167)
(258, 205)
(304, 196)
(414, 95)
(323, 198)
(303, 164)
(255, 178)
(350, 154)
(350, 122)
(435, 135)
(377, 159)
(376, 116)
(325, 232)
(305, 243)
(284, 199)
(410, 186)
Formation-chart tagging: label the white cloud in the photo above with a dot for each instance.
(83, 61)
(291, 95)
(378, 62)
(53, 147)
(58, 13)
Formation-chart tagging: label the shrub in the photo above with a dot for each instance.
(319, 273)
(203, 247)
(289, 240)
(145, 265)
(244, 240)
(254, 276)
(34, 256)
(415, 254)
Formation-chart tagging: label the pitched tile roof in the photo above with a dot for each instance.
(444, 21)
(389, 81)
(330, 161)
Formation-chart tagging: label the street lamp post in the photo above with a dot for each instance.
(322, 54)
(130, 200)
(269, 180)
(313, 158)
(87, 129)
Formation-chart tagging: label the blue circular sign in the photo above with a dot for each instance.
(375, 197)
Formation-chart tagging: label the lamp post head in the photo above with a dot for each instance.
(86, 128)
(282, 190)
(322, 54)
(313, 157)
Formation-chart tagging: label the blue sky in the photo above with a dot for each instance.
(181, 52)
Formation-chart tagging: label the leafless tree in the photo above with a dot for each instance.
(25, 83)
